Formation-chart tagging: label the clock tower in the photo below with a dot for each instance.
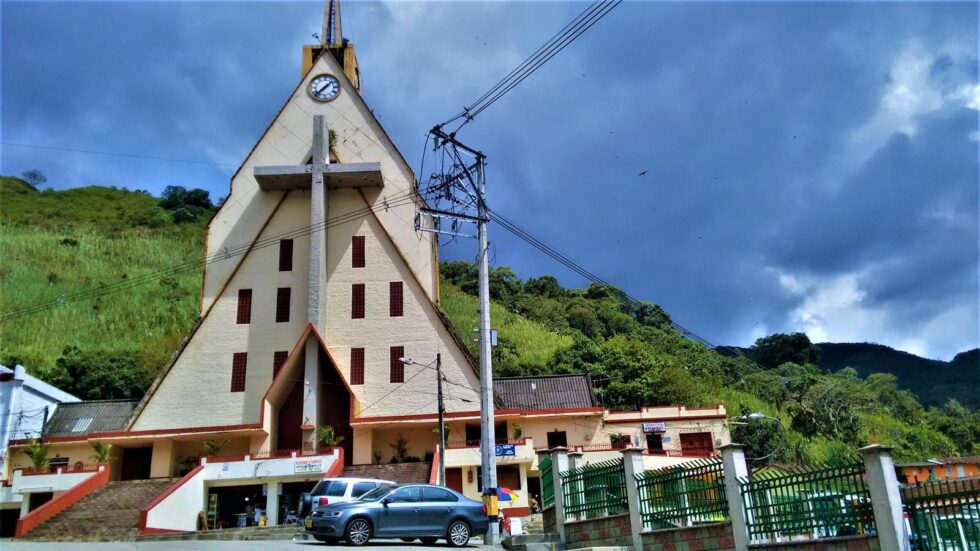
(332, 40)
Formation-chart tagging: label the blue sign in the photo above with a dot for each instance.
(504, 450)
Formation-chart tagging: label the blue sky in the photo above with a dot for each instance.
(809, 167)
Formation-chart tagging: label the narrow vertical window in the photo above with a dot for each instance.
(278, 359)
(357, 251)
(395, 299)
(238, 363)
(357, 366)
(244, 306)
(285, 255)
(282, 304)
(357, 301)
(397, 367)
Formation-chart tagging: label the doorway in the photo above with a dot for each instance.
(454, 479)
(696, 443)
(136, 463)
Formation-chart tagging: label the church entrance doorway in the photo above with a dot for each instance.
(135, 463)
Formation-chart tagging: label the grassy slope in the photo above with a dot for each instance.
(120, 235)
(535, 344)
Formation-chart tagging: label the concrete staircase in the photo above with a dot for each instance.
(111, 513)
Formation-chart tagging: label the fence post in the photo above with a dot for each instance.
(632, 466)
(886, 500)
(575, 461)
(733, 461)
(559, 464)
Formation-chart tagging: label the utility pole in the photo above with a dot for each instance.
(462, 189)
(442, 423)
(488, 442)
(44, 424)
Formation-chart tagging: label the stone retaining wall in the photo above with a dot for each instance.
(598, 532)
(716, 536)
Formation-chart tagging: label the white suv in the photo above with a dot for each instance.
(340, 490)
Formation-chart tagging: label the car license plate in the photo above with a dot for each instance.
(309, 522)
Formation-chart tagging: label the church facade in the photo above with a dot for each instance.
(320, 308)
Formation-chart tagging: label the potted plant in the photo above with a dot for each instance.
(518, 431)
(38, 452)
(101, 452)
(327, 437)
(401, 450)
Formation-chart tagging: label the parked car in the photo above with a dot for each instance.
(338, 490)
(406, 511)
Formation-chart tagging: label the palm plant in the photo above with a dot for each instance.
(213, 447)
(327, 437)
(102, 451)
(38, 452)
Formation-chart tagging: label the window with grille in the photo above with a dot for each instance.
(357, 251)
(282, 304)
(244, 306)
(357, 301)
(278, 359)
(396, 299)
(285, 255)
(238, 363)
(397, 367)
(357, 366)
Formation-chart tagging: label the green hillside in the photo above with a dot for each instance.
(59, 243)
(933, 381)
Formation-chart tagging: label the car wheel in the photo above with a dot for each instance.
(459, 534)
(429, 541)
(407, 540)
(358, 532)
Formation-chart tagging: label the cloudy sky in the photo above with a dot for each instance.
(808, 167)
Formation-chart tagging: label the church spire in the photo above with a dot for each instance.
(332, 40)
(331, 33)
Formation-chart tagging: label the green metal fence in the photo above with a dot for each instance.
(943, 515)
(547, 483)
(807, 503)
(595, 490)
(683, 495)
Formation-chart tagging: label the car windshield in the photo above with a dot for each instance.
(376, 494)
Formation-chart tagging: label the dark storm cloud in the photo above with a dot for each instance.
(806, 166)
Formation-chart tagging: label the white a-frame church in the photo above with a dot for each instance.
(316, 287)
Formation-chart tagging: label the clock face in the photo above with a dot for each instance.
(324, 88)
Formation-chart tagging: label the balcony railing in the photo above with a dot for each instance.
(269, 454)
(74, 468)
(460, 444)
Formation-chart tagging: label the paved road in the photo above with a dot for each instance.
(396, 545)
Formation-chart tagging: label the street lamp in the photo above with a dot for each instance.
(755, 417)
(442, 411)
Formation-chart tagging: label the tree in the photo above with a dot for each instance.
(34, 178)
(99, 375)
(764, 439)
(775, 350)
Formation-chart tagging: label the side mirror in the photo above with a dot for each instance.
(386, 501)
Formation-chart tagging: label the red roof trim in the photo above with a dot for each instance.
(678, 418)
(475, 413)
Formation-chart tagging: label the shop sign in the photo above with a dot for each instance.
(308, 465)
(655, 427)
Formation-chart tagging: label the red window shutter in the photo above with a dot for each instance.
(282, 304)
(357, 366)
(285, 255)
(357, 251)
(244, 306)
(397, 367)
(238, 363)
(278, 359)
(357, 301)
(396, 299)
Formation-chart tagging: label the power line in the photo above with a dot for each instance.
(116, 154)
(554, 45)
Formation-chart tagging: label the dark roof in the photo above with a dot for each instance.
(551, 392)
(402, 473)
(969, 460)
(79, 418)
